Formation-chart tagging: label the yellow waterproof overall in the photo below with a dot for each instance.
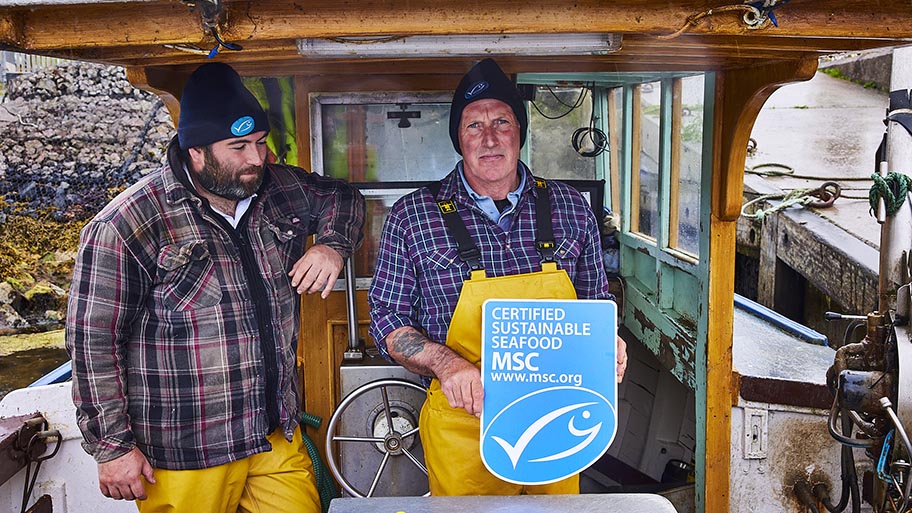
(450, 437)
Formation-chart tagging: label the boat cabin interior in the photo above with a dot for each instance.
(647, 107)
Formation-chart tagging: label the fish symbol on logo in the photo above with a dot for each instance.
(516, 450)
(242, 126)
(476, 89)
(527, 442)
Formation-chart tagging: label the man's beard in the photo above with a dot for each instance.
(225, 183)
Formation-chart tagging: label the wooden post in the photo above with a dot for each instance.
(740, 94)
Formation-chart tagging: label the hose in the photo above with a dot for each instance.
(803, 493)
(326, 487)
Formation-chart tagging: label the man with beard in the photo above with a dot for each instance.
(183, 314)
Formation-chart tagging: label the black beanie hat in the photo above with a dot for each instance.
(486, 81)
(215, 105)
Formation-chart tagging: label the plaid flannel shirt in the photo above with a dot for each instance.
(419, 276)
(161, 325)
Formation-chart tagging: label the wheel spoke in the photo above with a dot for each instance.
(371, 439)
(414, 460)
(410, 432)
(386, 410)
(373, 488)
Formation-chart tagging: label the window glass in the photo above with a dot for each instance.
(382, 138)
(276, 96)
(648, 169)
(616, 143)
(551, 152)
(387, 142)
(690, 163)
(378, 203)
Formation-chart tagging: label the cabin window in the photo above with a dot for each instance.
(647, 115)
(276, 95)
(666, 164)
(614, 98)
(686, 163)
(554, 117)
(384, 138)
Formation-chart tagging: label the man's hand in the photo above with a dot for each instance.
(121, 478)
(460, 382)
(459, 379)
(621, 358)
(316, 270)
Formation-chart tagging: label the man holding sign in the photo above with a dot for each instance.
(490, 229)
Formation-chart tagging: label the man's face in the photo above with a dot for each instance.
(231, 168)
(489, 139)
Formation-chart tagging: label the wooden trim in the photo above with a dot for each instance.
(719, 385)
(745, 91)
(166, 84)
(784, 391)
(302, 121)
(739, 95)
(674, 166)
(156, 23)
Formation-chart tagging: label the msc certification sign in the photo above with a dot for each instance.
(550, 403)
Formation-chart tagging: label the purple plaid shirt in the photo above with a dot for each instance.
(419, 276)
(161, 324)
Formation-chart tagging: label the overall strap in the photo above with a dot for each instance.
(465, 246)
(544, 231)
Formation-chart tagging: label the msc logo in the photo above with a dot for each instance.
(242, 126)
(476, 89)
(548, 435)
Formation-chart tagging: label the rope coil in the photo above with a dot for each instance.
(816, 197)
(891, 188)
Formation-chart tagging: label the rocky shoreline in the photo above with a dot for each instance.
(71, 137)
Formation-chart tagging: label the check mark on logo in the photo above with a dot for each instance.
(514, 451)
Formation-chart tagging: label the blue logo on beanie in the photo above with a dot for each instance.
(242, 126)
(476, 89)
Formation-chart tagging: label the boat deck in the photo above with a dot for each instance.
(825, 129)
(830, 128)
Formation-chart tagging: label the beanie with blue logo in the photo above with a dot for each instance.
(215, 105)
(483, 82)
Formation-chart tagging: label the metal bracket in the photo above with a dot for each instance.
(755, 433)
(16, 433)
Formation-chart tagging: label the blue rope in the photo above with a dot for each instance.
(767, 8)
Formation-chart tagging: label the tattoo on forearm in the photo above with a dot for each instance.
(409, 344)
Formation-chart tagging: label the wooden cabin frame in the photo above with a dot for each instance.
(150, 38)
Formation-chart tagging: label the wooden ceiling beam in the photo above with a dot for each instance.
(708, 58)
(510, 65)
(745, 44)
(40, 28)
(713, 48)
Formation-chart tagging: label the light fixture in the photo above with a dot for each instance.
(461, 45)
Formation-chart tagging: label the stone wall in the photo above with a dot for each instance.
(71, 134)
(71, 137)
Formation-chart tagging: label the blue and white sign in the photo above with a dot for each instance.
(550, 403)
